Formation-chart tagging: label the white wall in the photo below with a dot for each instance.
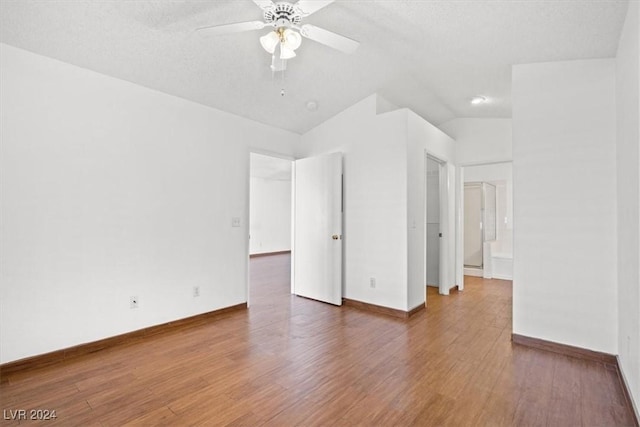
(384, 178)
(111, 190)
(375, 198)
(628, 161)
(270, 205)
(270, 224)
(564, 165)
(480, 140)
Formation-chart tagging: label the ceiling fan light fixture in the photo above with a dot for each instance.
(270, 41)
(291, 39)
(285, 52)
(284, 18)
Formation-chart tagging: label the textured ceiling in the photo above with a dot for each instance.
(430, 56)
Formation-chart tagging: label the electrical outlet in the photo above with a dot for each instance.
(235, 221)
(196, 291)
(134, 302)
(372, 282)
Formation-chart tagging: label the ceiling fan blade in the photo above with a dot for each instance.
(331, 39)
(264, 4)
(238, 27)
(307, 7)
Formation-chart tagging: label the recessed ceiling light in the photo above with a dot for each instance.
(477, 100)
(312, 106)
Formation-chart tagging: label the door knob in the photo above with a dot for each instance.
(335, 237)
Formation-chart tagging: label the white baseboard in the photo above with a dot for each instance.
(627, 391)
(475, 272)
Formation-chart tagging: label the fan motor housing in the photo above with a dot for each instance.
(282, 14)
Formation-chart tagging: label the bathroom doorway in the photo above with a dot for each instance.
(487, 219)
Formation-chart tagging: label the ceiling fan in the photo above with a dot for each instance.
(287, 33)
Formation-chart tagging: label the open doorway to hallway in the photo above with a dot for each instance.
(270, 226)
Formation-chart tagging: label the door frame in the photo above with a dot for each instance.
(446, 240)
(460, 181)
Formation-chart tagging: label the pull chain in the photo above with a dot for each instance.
(274, 71)
(282, 90)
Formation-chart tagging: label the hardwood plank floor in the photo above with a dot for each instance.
(291, 361)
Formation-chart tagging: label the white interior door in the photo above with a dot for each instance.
(473, 225)
(317, 245)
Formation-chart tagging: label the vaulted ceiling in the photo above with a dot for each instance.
(430, 56)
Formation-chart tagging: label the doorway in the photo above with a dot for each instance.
(295, 208)
(436, 225)
(270, 207)
(487, 211)
(433, 222)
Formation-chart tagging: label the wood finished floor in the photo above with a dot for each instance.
(291, 361)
